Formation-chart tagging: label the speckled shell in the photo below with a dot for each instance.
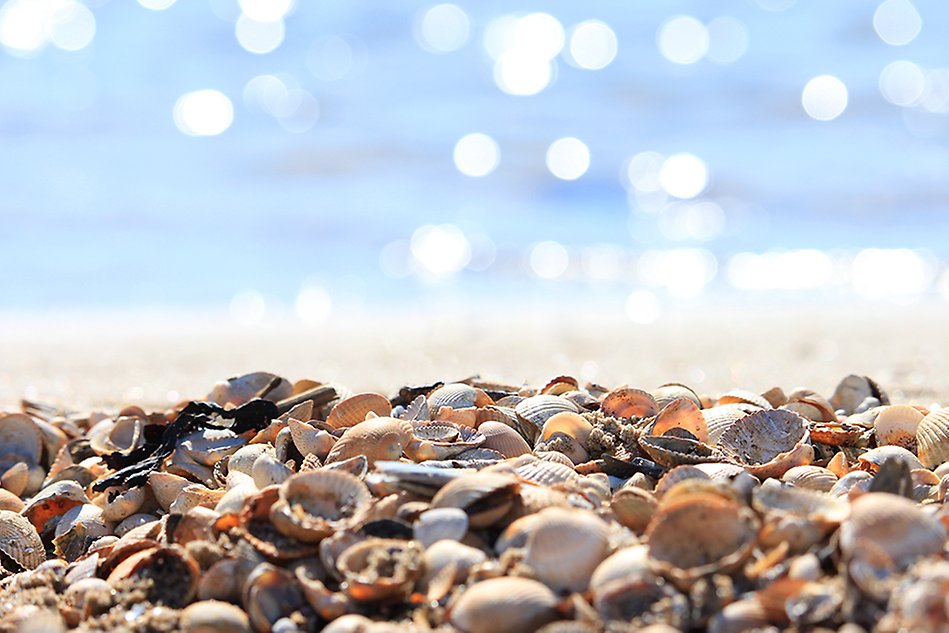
(893, 524)
(377, 439)
(565, 546)
(810, 477)
(629, 403)
(485, 497)
(20, 541)
(504, 605)
(681, 414)
(665, 394)
(634, 507)
(502, 438)
(932, 439)
(20, 436)
(768, 442)
(317, 503)
(896, 425)
(353, 410)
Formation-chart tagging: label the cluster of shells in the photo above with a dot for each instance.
(486, 508)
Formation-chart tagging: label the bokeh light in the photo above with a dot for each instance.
(266, 10)
(683, 272)
(522, 73)
(642, 171)
(897, 22)
(313, 304)
(824, 98)
(593, 45)
(28, 26)
(476, 155)
(72, 27)
(683, 39)
(784, 270)
(203, 113)
(259, 37)
(683, 176)
(440, 250)
(549, 259)
(902, 83)
(335, 57)
(568, 158)
(443, 28)
(891, 274)
(727, 40)
(643, 307)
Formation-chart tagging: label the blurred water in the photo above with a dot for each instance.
(104, 202)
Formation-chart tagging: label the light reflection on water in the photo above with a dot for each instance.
(270, 149)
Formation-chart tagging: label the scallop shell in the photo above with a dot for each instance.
(19, 540)
(895, 525)
(317, 503)
(565, 546)
(380, 569)
(20, 436)
(634, 507)
(932, 439)
(504, 605)
(502, 438)
(697, 536)
(896, 424)
(543, 472)
(442, 440)
(353, 410)
(810, 477)
(681, 414)
(675, 451)
(554, 456)
(533, 413)
(379, 438)
(485, 497)
(629, 403)
(768, 442)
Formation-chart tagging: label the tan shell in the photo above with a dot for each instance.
(77, 529)
(377, 439)
(504, 605)
(9, 501)
(719, 419)
(166, 487)
(776, 396)
(442, 440)
(380, 569)
(533, 412)
(745, 396)
(896, 424)
(681, 414)
(634, 507)
(353, 410)
(893, 524)
(768, 442)
(674, 391)
(774, 499)
(266, 531)
(20, 541)
(269, 593)
(932, 439)
(267, 471)
(309, 440)
(629, 403)
(565, 546)
(567, 433)
(124, 434)
(174, 572)
(695, 536)
(624, 586)
(485, 497)
(240, 389)
(858, 480)
(53, 501)
(811, 405)
(560, 385)
(503, 439)
(213, 616)
(853, 390)
(810, 477)
(836, 433)
(872, 459)
(677, 474)
(447, 562)
(315, 504)
(242, 460)
(739, 616)
(543, 472)
(16, 478)
(440, 524)
(20, 436)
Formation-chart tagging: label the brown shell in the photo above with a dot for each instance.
(443, 440)
(634, 507)
(564, 546)
(20, 541)
(675, 451)
(53, 501)
(173, 571)
(932, 439)
(811, 405)
(560, 385)
(677, 474)
(874, 458)
(897, 424)
(533, 412)
(774, 499)
(853, 390)
(502, 438)
(353, 410)
(567, 423)
(486, 497)
(836, 433)
(377, 439)
(315, 504)
(768, 442)
(504, 605)
(681, 414)
(380, 569)
(894, 525)
(629, 403)
(259, 530)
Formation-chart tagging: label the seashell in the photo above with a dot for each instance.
(119, 504)
(718, 471)
(9, 501)
(77, 529)
(623, 585)
(858, 480)
(629, 403)
(376, 439)
(52, 502)
(677, 474)
(772, 498)
(543, 472)
(533, 499)
(768, 442)
(130, 523)
(174, 574)
(891, 524)
(533, 413)
(485, 497)
(240, 389)
(810, 477)
(380, 569)
(775, 396)
(896, 425)
(355, 409)
(740, 616)
(442, 440)
(124, 434)
(86, 594)
(267, 471)
(674, 391)
(457, 396)
(16, 478)
(853, 390)
(811, 405)
(634, 507)
(242, 460)
(166, 487)
(681, 414)
(20, 542)
(20, 438)
(315, 504)
(718, 419)
(554, 456)
(567, 433)
(270, 593)
(194, 496)
(309, 440)
(440, 524)
(221, 581)
(565, 546)
(744, 396)
(266, 530)
(836, 433)
(447, 562)
(560, 385)
(502, 438)
(213, 616)
(674, 451)
(871, 460)
(696, 536)
(932, 439)
(504, 605)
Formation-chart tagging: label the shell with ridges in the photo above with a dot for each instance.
(810, 477)
(629, 403)
(534, 412)
(565, 546)
(455, 396)
(675, 451)
(317, 503)
(20, 541)
(895, 525)
(718, 419)
(377, 439)
(932, 439)
(504, 439)
(504, 605)
(353, 410)
(634, 507)
(744, 396)
(897, 424)
(485, 497)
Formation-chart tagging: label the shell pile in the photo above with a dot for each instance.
(482, 508)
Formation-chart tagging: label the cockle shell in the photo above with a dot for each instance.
(267, 471)
(485, 497)
(768, 442)
(20, 437)
(533, 413)
(77, 529)
(773, 498)
(674, 451)
(504, 439)
(681, 414)
(568, 433)
(932, 439)
(718, 419)
(457, 396)
(743, 396)
(173, 571)
(871, 460)
(836, 433)
(353, 410)
(378, 438)
(52, 502)
(623, 585)
(665, 394)
(20, 541)
(309, 440)
(543, 472)
(565, 546)
(677, 474)
(123, 434)
(315, 504)
(213, 616)
(504, 605)
(440, 524)
(629, 403)
(634, 507)
(810, 477)
(442, 440)
(447, 562)
(858, 480)
(897, 424)
(380, 569)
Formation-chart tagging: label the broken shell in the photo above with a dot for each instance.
(768, 442)
(719, 419)
(269, 594)
(853, 390)
(681, 414)
(896, 424)
(810, 477)
(123, 434)
(315, 504)
(892, 524)
(380, 569)
(376, 439)
(871, 460)
(502, 438)
(485, 497)
(353, 410)
(634, 507)
(932, 439)
(674, 451)
(213, 616)
(240, 389)
(565, 546)
(623, 585)
(52, 502)
(504, 605)
(77, 529)
(116, 507)
(811, 405)
(166, 487)
(629, 403)
(174, 574)
(19, 542)
(267, 471)
(440, 524)
(442, 440)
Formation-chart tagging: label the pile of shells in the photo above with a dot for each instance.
(482, 508)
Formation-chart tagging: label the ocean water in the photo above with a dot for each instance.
(106, 204)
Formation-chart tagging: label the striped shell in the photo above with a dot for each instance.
(504, 605)
(565, 546)
(377, 439)
(768, 442)
(674, 391)
(456, 396)
(897, 424)
(932, 439)
(543, 472)
(744, 396)
(353, 410)
(891, 524)
(20, 541)
(629, 403)
(317, 503)
(810, 478)
(874, 458)
(533, 412)
(502, 438)
(719, 419)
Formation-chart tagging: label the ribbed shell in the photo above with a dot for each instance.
(677, 474)
(20, 436)
(354, 409)
(504, 605)
(455, 395)
(873, 458)
(738, 396)
(309, 440)
(502, 438)
(810, 478)
(932, 439)
(565, 546)
(893, 524)
(536, 410)
(20, 541)
(719, 419)
(485, 497)
(774, 498)
(896, 425)
(673, 391)
(377, 439)
(629, 403)
(316, 503)
(544, 473)
(768, 442)
(681, 414)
